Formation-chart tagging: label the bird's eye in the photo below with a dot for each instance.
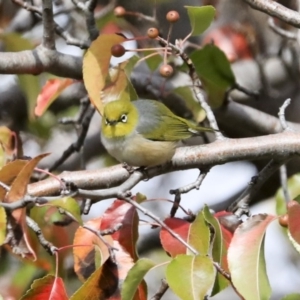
(124, 118)
(106, 122)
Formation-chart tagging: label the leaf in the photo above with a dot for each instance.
(100, 285)
(7, 138)
(105, 282)
(117, 87)
(190, 277)
(3, 219)
(294, 224)
(200, 18)
(125, 214)
(17, 191)
(246, 258)
(170, 244)
(135, 277)
(291, 297)
(293, 184)
(219, 251)
(48, 287)
(96, 66)
(68, 204)
(153, 61)
(186, 94)
(215, 72)
(88, 245)
(9, 172)
(18, 188)
(50, 91)
(199, 235)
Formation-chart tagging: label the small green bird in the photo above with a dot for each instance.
(143, 132)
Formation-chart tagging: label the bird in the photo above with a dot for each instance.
(144, 133)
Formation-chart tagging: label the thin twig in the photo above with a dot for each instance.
(48, 24)
(281, 115)
(209, 113)
(162, 289)
(75, 147)
(241, 205)
(59, 30)
(237, 86)
(284, 185)
(46, 244)
(275, 9)
(185, 189)
(109, 247)
(124, 196)
(280, 31)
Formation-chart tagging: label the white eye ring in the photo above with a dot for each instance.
(106, 122)
(124, 118)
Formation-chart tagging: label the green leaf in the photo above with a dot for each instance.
(200, 18)
(246, 259)
(190, 277)
(213, 68)
(187, 96)
(135, 277)
(153, 61)
(68, 204)
(2, 225)
(199, 235)
(293, 184)
(291, 297)
(219, 251)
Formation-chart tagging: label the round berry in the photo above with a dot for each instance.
(172, 16)
(284, 220)
(117, 50)
(119, 11)
(166, 70)
(152, 33)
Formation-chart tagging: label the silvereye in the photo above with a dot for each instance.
(143, 132)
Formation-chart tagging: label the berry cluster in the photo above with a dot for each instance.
(166, 70)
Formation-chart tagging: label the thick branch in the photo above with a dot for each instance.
(278, 146)
(273, 8)
(41, 60)
(250, 119)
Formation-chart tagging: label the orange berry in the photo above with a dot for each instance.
(117, 50)
(119, 11)
(284, 220)
(166, 70)
(291, 203)
(172, 16)
(152, 33)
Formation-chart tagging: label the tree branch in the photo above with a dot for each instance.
(41, 60)
(278, 146)
(275, 9)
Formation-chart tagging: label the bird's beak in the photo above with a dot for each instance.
(112, 122)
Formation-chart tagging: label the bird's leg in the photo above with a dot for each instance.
(128, 168)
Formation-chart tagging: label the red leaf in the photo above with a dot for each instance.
(17, 191)
(294, 220)
(171, 244)
(123, 213)
(246, 259)
(47, 288)
(229, 222)
(51, 90)
(85, 254)
(105, 282)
